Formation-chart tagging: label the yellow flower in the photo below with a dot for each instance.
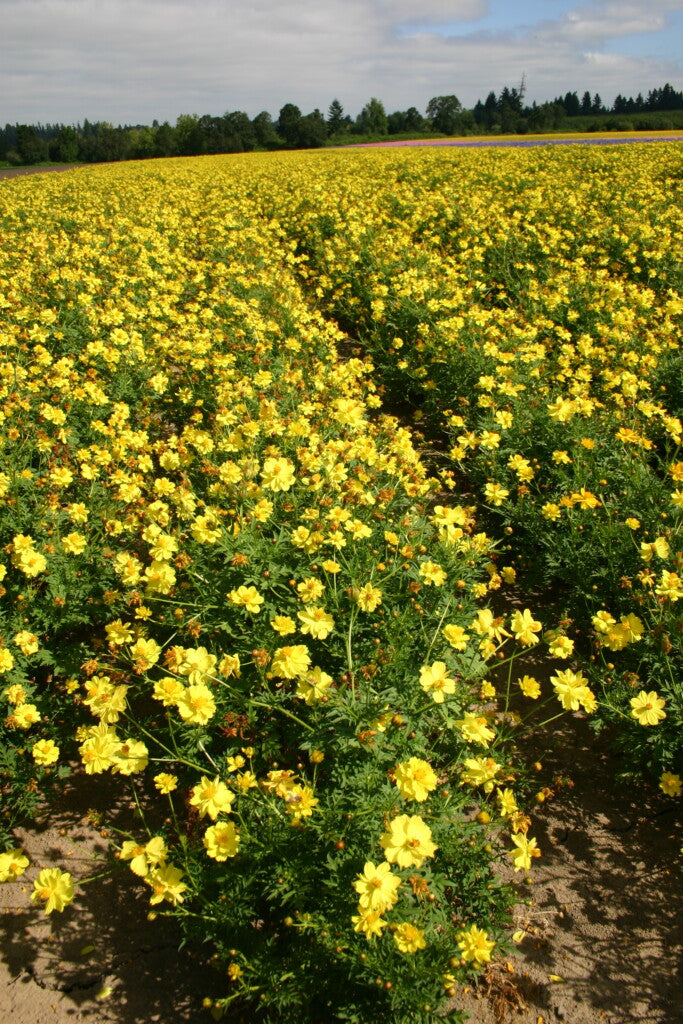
(377, 887)
(26, 642)
(368, 597)
(647, 708)
(432, 573)
(475, 729)
(408, 938)
(507, 802)
(368, 923)
(166, 884)
(45, 752)
(211, 797)
(196, 704)
(283, 625)
(290, 662)
(524, 850)
(197, 664)
(560, 646)
(415, 779)
(168, 690)
(145, 653)
(495, 493)
(530, 687)
(310, 589)
(13, 863)
(165, 782)
(131, 757)
(300, 802)
(74, 543)
(524, 627)
(671, 784)
(55, 887)
(456, 636)
(408, 841)
(434, 679)
(144, 857)
(670, 586)
(118, 633)
(277, 474)
(6, 660)
(570, 688)
(221, 841)
(313, 685)
(99, 749)
(475, 945)
(25, 715)
(229, 665)
(246, 597)
(316, 622)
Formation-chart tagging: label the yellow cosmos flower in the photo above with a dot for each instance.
(13, 863)
(368, 923)
(283, 625)
(165, 782)
(211, 797)
(475, 945)
(24, 716)
(290, 662)
(434, 679)
(377, 887)
(671, 784)
(26, 642)
(524, 627)
(408, 841)
(475, 729)
(315, 622)
(142, 857)
(571, 689)
(415, 779)
(74, 543)
(221, 841)
(530, 687)
(432, 574)
(524, 850)
(313, 686)
(277, 474)
(409, 938)
(368, 598)
(45, 752)
(456, 636)
(166, 884)
(6, 660)
(248, 598)
(55, 887)
(648, 708)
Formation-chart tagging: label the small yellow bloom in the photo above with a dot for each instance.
(45, 752)
(408, 938)
(648, 708)
(475, 945)
(55, 887)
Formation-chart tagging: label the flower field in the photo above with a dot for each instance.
(283, 436)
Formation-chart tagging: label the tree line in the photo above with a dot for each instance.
(234, 132)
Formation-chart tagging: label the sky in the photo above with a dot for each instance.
(131, 61)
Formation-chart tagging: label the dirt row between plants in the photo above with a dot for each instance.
(17, 172)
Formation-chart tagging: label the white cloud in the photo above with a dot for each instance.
(133, 60)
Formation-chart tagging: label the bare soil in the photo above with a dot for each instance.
(16, 172)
